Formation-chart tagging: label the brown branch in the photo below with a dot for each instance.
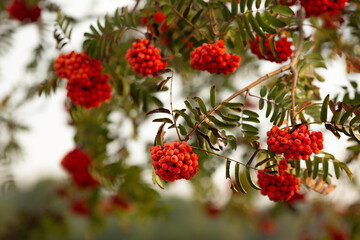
(295, 60)
(192, 25)
(247, 88)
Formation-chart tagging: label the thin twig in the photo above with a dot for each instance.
(295, 60)
(247, 88)
(171, 106)
(192, 25)
(214, 24)
(230, 159)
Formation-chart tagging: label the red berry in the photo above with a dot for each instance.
(77, 163)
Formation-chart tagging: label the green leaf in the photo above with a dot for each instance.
(324, 108)
(346, 169)
(258, 3)
(237, 178)
(242, 5)
(201, 105)
(94, 30)
(354, 120)
(280, 95)
(156, 179)
(246, 20)
(273, 20)
(347, 114)
(255, 25)
(250, 4)
(262, 46)
(336, 116)
(354, 135)
(187, 10)
(308, 167)
(316, 167)
(267, 3)
(186, 117)
(234, 7)
(325, 167)
(279, 121)
(250, 128)
(181, 3)
(213, 96)
(268, 109)
(226, 13)
(164, 120)
(273, 47)
(263, 24)
(297, 168)
(241, 30)
(261, 103)
(197, 16)
(273, 91)
(283, 10)
(336, 169)
(182, 130)
(251, 113)
(251, 182)
(232, 105)
(263, 91)
(275, 113)
(220, 123)
(227, 173)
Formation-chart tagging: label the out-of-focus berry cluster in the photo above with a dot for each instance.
(214, 58)
(18, 9)
(318, 7)
(77, 163)
(174, 161)
(287, 2)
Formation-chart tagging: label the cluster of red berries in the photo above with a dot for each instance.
(214, 58)
(283, 48)
(318, 7)
(278, 187)
(19, 10)
(144, 58)
(77, 163)
(299, 144)
(174, 161)
(287, 2)
(86, 85)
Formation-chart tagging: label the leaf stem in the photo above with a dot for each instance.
(295, 60)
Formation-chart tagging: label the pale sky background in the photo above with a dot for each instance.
(50, 138)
